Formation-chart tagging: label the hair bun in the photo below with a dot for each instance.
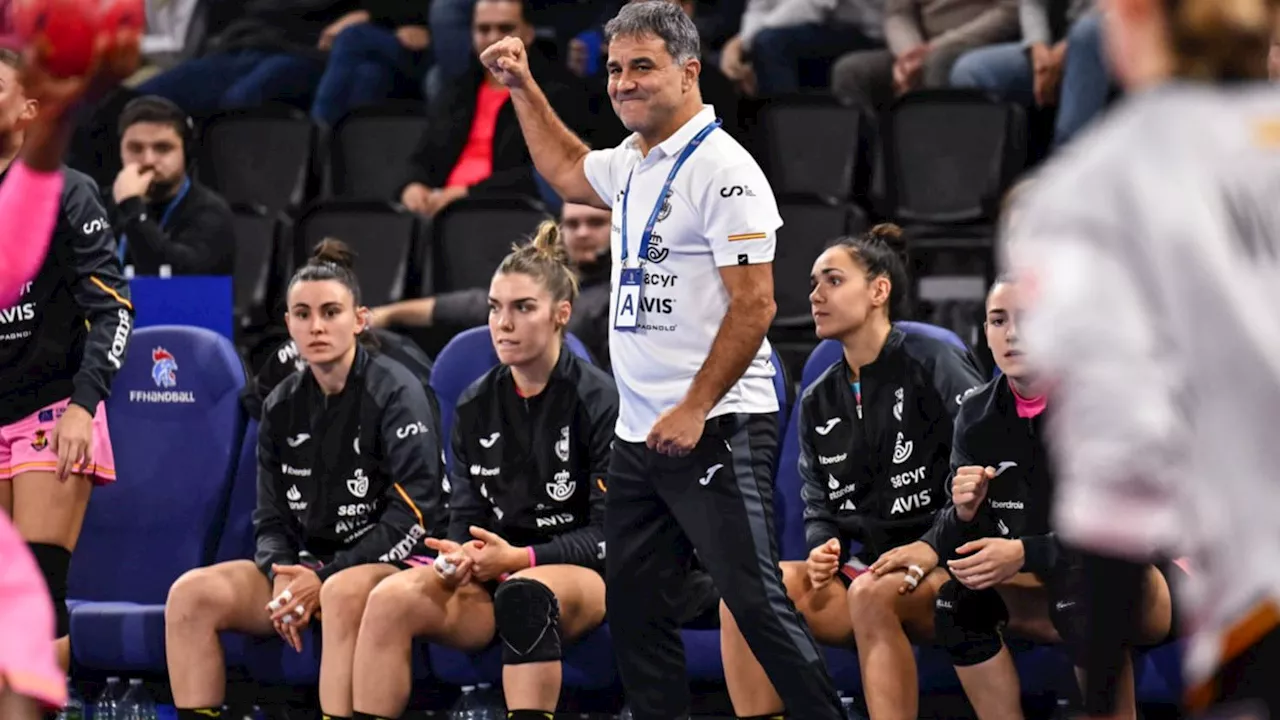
(332, 250)
(547, 242)
(889, 234)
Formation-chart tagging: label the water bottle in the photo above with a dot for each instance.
(467, 707)
(107, 707)
(492, 705)
(136, 703)
(74, 709)
(626, 713)
(1063, 710)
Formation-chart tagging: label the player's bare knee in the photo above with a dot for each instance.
(795, 577)
(872, 597)
(343, 599)
(198, 597)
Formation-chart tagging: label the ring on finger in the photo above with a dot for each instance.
(911, 580)
(299, 610)
(915, 570)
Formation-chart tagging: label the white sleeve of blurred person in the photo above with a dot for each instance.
(1117, 429)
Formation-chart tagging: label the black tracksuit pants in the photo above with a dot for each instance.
(717, 500)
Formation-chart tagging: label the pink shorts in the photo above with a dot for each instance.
(27, 446)
(28, 665)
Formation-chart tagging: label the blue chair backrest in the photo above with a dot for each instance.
(462, 361)
(176, 425)
(236, 541)
(789, 508)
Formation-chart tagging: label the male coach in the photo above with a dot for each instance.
(693, 244)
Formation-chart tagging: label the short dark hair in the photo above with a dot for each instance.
(524, 9)
(661, 19)
(158, 110)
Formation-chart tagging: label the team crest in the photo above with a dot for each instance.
(561, 487)
(164, 368)
(40, 441)
(562, 445)
(358, 485)
(897, 405)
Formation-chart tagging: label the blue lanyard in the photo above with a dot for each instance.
(662, 196)
(164, 217)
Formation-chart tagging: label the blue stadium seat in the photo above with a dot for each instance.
(236, 541)
(462, 361)
(176, 425)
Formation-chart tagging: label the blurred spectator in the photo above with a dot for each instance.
(925, 38)
(162, 215)
(586, 237)
(374, 54)
(165, 41)
(785, 46)
(270, 53)
(1046, 68)
(1273, 58)
(473, 143)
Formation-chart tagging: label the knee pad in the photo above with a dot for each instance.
(54, 561)
(527, 615)
(1067, 612)
(967, 623)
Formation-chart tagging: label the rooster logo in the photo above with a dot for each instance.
(164, 368)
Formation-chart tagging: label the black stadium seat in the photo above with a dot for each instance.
(381, 234)
(810, 223)
(261, 156)
(948, 156)
(369, 151)
(471, 236)
(814, 146)
(255, 238)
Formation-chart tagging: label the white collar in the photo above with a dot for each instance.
(674, 144)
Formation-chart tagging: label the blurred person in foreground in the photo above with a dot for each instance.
(63, 341)
(1149, 258)
(37, 124)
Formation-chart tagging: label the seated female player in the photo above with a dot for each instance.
(350, 479)
(525, 556)
(875, 433)
(1005, 561)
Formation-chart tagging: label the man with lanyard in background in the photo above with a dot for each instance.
(697, 430)
(163, 216)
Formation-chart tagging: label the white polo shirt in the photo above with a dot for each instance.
(720, 212)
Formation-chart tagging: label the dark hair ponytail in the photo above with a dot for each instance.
(332, 259)
(881, 251)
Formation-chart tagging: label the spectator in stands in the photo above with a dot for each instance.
(61, 344)
(1005, 561)
(1273, 56)
(786, 46)
(874, 465)
(925, 37)
(377, 52)
(269, 54)
(168, 28)
(473, 144)
(524, 556)
(163, 215)
(1046, 69)
(349, 483)
(586, 238)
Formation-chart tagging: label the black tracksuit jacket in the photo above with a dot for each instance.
(352, 478)
(68, 334)
(533, 470)
(1019, 502)
(876, 477)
